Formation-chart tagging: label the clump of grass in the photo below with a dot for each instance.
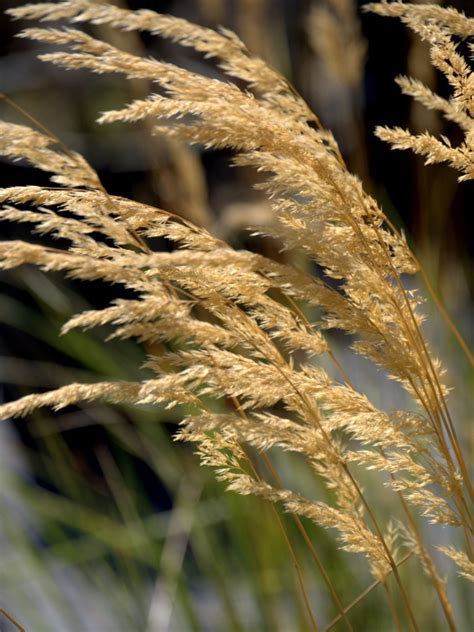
(240, 319)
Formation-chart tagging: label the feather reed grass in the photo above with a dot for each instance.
(237, 321)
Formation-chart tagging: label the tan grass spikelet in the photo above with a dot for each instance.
(423, 17)
(466, 567)
(439, 27)
(70, 169)
(232, 54)
(334, 34)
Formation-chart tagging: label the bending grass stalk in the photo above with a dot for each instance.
(436, 581)
(11, 619)
(438, 584)
(437, 391)
(362, 596)
(416, 337)
(299, 525)
(437, 301)
(312, 550)
(296, 564)
(315, 418)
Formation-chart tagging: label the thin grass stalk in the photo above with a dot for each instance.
(438, 585)
(318, 424)
(294, 558)
(11, 619)
(362, 596)
(393, 565)
(437, 301)
(314, 555)
(430, 374)
(437, 582)
(299, 525)
(417, 338)
(314, 416)
(296, 564)
(392, 607)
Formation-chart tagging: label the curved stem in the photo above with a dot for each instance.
(11, 619)
(362, 595)
(296, 564)
(311, 548)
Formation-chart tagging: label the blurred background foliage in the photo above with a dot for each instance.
(106, 523)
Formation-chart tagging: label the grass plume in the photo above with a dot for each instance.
(238, 317)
